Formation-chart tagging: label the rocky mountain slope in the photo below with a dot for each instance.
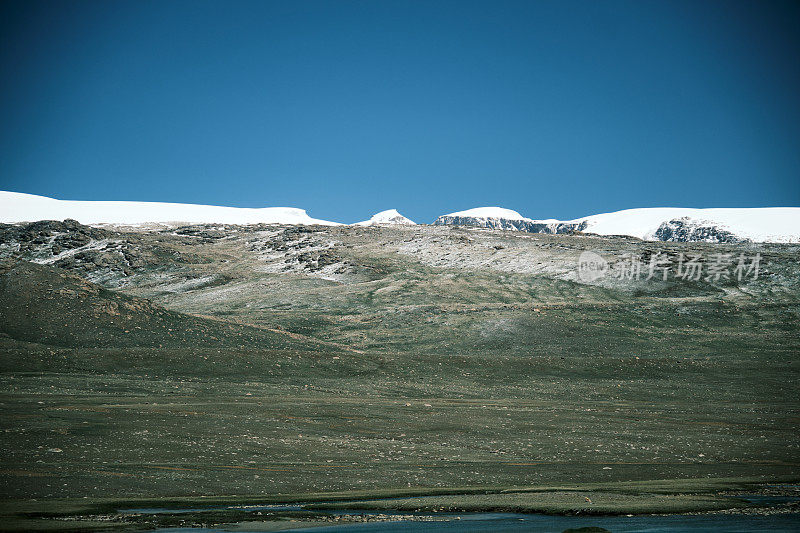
(267, 273)
(269, 359)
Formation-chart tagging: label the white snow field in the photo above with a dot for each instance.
(489, 212)
(20, 207)
(389, 217)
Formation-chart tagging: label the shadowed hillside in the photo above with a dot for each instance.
(48, 306)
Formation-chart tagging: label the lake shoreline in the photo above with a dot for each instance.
(272, 513)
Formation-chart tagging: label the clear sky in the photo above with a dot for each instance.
(552, 108)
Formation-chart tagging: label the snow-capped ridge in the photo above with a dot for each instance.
(489, 212)
(21, 207)
(755, 224)
(387, 218)
(762, 224)
(492, 218)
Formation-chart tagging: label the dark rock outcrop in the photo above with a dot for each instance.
(687, 229)
(528, 226)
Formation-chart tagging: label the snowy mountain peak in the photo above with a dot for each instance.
(388, 217)
(487, 217)
(488, 212)
(20, 207)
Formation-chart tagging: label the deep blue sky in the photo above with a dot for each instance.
(552, 108)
